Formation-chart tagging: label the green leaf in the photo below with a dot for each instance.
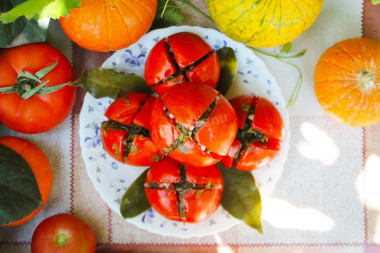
(40, 9)
(241, 198)
(19, 192)
(134, 201)
(167, 14)
(109, 83)
(169, 11)
(21, 31)
(33, 91)
(375, 1)
(286, 48)
(228, 69)
(43, 72)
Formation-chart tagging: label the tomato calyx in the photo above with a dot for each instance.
(248, 135)
(61, 240)
(28, 84)
(132, 131)
(190, 133)
(181, 188)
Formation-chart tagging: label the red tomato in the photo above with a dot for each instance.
(63, 233)
(39, 113)
(193, 124)
(181, 57)
(183, 193)
(260, 133)
(126, 136)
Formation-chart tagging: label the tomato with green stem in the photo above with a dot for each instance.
(63, 233)
(194, 124)
(261, 130)
(179, 58)
(34, 95)
(182, 192)
(125, 135)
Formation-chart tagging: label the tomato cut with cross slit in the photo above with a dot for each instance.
(179, 58)
(182, 192)
(194, 124)
(261, 130)
(126, 135)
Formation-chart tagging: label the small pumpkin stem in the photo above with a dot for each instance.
(367, 80)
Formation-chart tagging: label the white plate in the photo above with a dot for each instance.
(112, 178)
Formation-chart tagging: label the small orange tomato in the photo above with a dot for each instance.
(347, 81)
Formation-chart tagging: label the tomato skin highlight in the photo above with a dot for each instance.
(40, 165)
(197, 204)
(74, 235)
(39, 113)
(266, 121)
(193, 124)
(125, 108)
(168, 63)
(128, 114)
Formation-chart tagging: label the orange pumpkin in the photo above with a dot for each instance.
(110, 25)
(347, 81)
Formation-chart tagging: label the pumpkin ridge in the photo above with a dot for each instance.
(338, 65)
(256, 32)
(337, 102)
(107, 19)
(340, 80)
(145, 7)
(347, 53)
(280, 21)
(134, 13)
(356, 103)
(83, 15)
(245, 12)
(233, 7)
(265, 15)
(300, 10)
(348, 88)
(118, 7)
(310, 6)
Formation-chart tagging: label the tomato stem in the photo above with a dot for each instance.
(27, 86)
(61, 240)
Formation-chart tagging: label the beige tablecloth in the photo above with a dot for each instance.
(327, 200)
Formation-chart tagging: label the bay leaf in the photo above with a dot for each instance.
(241, 198)
(19, 192)
(134, 201)
(109, 83)
(228, 69)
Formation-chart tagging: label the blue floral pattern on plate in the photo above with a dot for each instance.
(112, 178)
